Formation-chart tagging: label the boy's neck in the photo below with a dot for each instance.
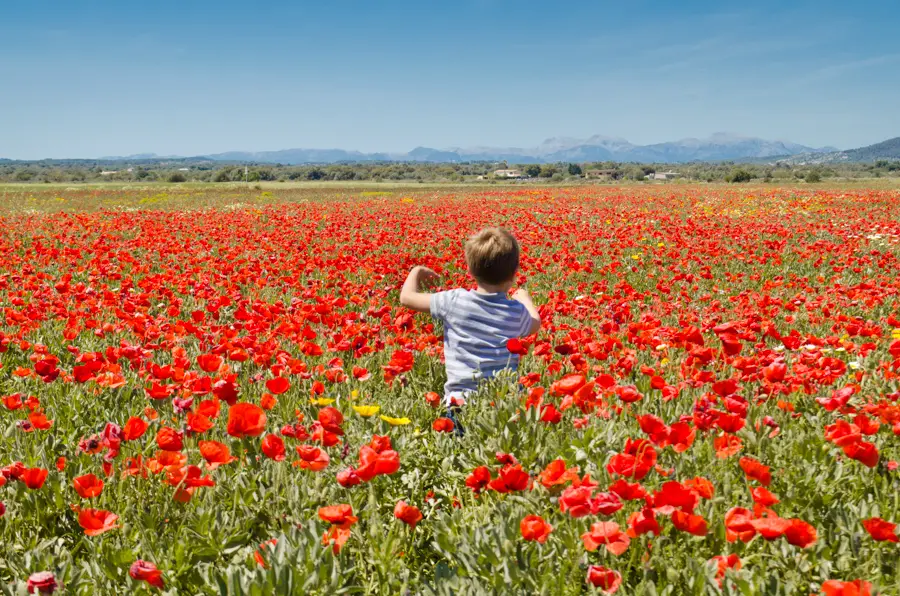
(492, 289)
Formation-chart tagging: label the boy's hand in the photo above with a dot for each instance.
(410, 296)
(519, 294)
(426, 275)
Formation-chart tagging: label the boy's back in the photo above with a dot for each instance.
(477, 326)
(477, 323)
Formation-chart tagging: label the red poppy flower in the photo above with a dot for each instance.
(606, 579)
(348, 478)
(690, 523)
(408, 514)
(568, 385)
(373, 463)
(34, 478)
(169, 439)
(703, 487)
(442, 425)
(864, 452)
(145, 571)
(771, 527)
(42, 581)
(629, 394)
(762, 496)
(799, 533)
(312, 458)
(606, 533)
(88, 486)
(134, 429)
(510, 479)
(643, 522)
(739, 525)
(674, 495)
(635, 462)
(534, 528)
(723, 563)
(331, 419)
(13, 402)
(246, 420)
(478, 479)
(336, 536)
(628, 491)
(273, 447)
(576, 500)
(756, 471)
(278, 385)
(198, 423)
(39, 421)
(337, 514)
(556, 474)
(727, 445)
(517, 346)
(681, 436)
(856, 587)
(606, 504)
(215, 453)
(97, 521)
(209, 362)
(880, 530)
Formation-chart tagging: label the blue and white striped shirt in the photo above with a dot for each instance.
(476, 329)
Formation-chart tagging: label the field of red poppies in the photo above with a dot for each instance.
(217, 392)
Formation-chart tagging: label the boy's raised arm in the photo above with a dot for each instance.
(521, 295)
(410, 296)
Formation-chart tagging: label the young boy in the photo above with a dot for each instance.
(479, 322)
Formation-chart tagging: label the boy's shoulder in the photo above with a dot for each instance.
(442, 302)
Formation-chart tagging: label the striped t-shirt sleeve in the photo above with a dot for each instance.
(440, 305)
(524, 322)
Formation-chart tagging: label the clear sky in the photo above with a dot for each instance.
(82, 78)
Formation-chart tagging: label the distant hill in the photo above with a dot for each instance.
(719, 147)
(889, 149)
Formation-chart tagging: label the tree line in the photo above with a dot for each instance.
(82, 171)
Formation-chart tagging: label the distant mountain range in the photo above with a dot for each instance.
(718, 147)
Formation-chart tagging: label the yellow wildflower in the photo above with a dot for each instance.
(366, 411)
(396, 421)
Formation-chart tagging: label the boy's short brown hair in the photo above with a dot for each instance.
(492, 256)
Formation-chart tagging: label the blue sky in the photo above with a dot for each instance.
(84, 78)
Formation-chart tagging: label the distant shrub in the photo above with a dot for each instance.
(813, 177)
(738, 176)
(176, 177)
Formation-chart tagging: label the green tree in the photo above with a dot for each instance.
(176, 177)
(575, 169)
(547, 171)
(813, 176)
(738, 176)
(533, 170)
